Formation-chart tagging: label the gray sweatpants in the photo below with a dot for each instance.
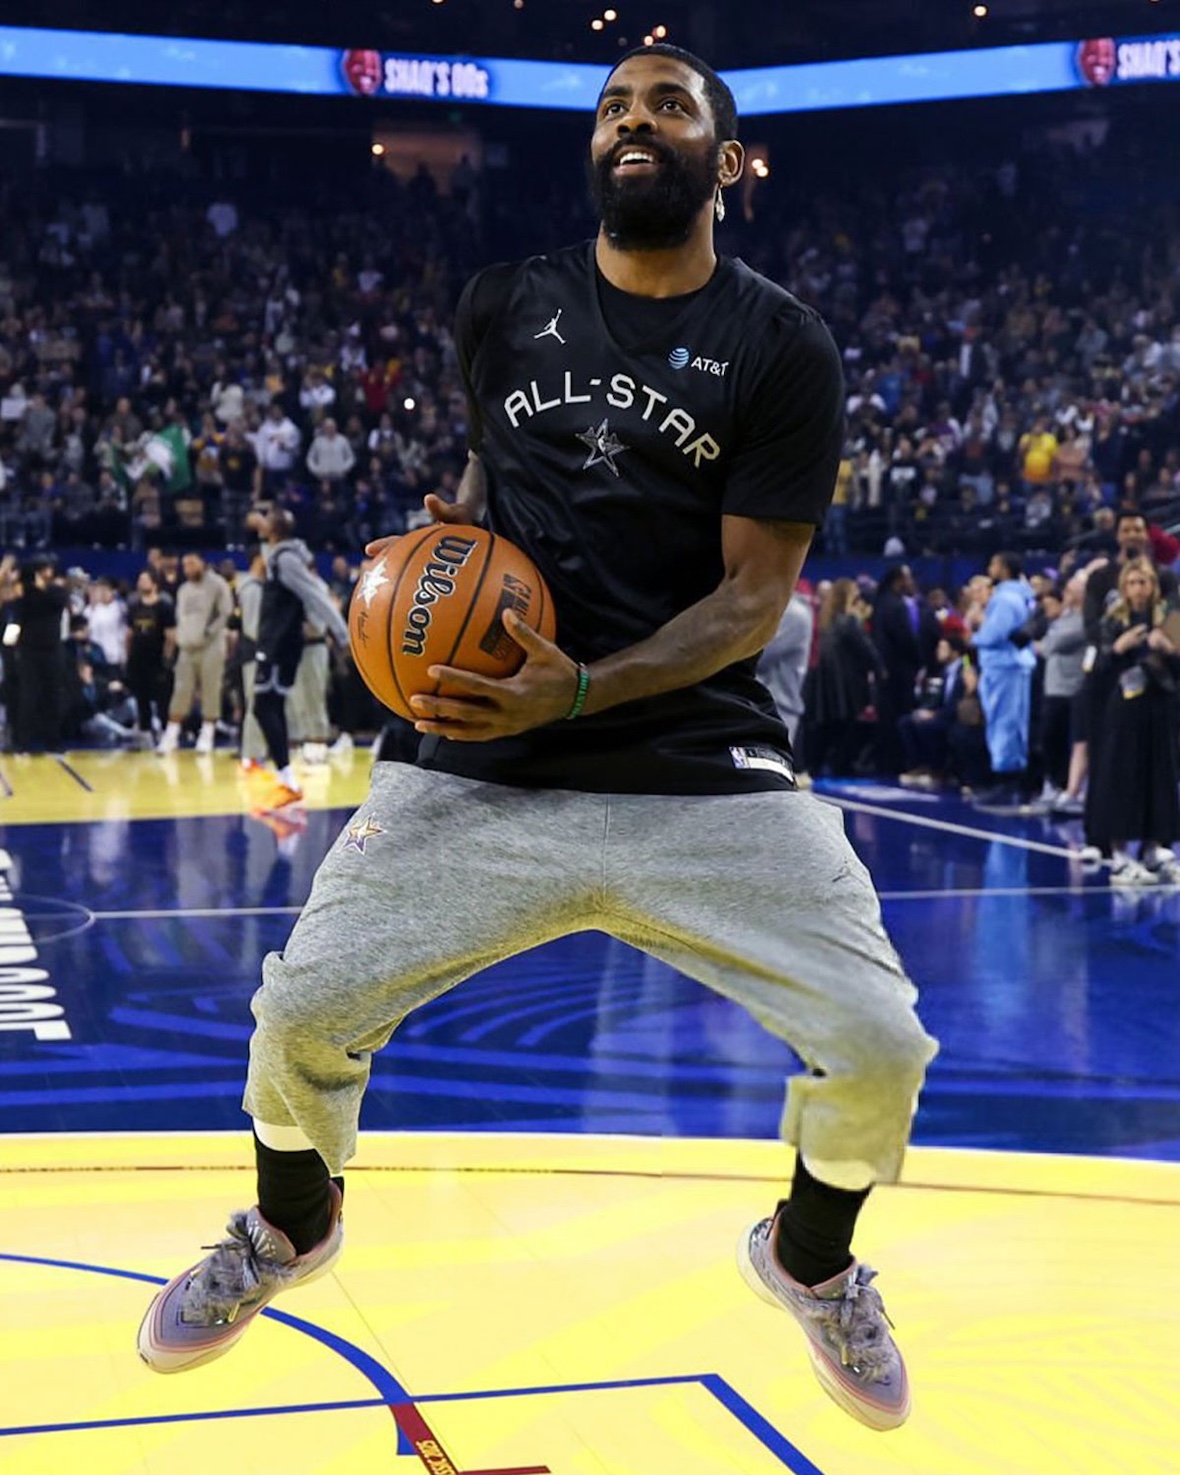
(759, 896)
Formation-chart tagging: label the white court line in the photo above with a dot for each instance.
(930, 895)
(903, 817)
(969, 891)
(197, 912)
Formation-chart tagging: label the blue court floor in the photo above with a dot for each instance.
(133, 946)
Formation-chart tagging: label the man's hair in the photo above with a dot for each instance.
(721, 99)
(1130, 514)
(1012, 562)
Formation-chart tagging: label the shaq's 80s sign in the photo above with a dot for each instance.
(374, 74)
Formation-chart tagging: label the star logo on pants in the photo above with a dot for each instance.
(360, 832)
(604, 445)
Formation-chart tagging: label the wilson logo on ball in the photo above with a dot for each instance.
(435, 582)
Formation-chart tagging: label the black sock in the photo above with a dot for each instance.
(815, 1226)
(293, 1193)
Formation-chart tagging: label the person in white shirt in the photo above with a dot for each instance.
(276, 444)
(108, 623)
(331, 456)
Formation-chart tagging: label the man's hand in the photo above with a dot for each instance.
(440, 511)
(475, 709)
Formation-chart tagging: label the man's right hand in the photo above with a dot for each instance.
(440, 511)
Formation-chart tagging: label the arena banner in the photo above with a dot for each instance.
(255, 66)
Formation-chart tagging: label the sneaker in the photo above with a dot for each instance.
(342, 747)
(998, 796)
(852, 1353)
(286, 796)
(315, 753)
(205, 741)
(1065, 807)
(1167, 873)
(207, 1308)
(1128, 872)
(168, 743)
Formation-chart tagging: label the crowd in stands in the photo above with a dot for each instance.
(164, 366)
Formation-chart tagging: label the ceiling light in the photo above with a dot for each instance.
(660, 31)
(979, 12)
(610, 15)
(649, 40)
(377, 150)
(518, 4)
(596, 24)
(408, 404)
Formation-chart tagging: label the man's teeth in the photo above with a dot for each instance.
(636, 158)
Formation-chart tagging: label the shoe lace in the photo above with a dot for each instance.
(236, 1272)
(856, 1322)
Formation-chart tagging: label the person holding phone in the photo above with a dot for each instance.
(1134, 784)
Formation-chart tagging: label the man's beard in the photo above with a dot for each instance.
(655, 212)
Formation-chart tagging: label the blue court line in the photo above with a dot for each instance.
(748, 1416)
(392, 1392)
(192, 1418)
(380, 1377)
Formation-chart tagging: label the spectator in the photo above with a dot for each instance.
(783, 664)
(204, 606)
(151, 642)
(843, 688)
(331, 457)
(1134, 777)
(1063, 721)
(277, 446)
(1006, 667)
(107, 627)
(39, 612)
(896, 617)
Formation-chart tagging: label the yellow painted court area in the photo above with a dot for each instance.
(587, 1287)
(116, 785)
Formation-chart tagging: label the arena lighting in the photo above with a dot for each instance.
(518, 4)
(659, 32)
(649, 40)
(596, 24)
(408, 404)
(610, 15)
(979, 12)
(377, 150)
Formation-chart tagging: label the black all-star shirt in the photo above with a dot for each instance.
(615, 432)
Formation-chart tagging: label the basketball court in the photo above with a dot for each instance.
(558, 1160)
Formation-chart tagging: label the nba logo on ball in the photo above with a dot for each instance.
(679, 358)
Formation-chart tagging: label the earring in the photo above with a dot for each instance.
(719, 206)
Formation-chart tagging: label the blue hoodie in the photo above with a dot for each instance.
(1010, 606)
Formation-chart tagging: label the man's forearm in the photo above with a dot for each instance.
(728, 625)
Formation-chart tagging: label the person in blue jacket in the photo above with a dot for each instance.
(1006, 665)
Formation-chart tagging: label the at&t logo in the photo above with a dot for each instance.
(681, 358)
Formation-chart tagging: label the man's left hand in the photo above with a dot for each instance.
(476, 709)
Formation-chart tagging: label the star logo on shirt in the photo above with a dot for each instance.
(604, 445)
(374, 581)
(360, 832)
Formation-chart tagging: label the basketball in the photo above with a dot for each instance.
(436, 597)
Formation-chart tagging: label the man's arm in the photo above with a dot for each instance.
(762, 561)
(314, 594)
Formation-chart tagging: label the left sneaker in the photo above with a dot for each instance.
(852, 1352)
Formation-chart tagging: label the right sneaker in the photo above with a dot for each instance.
(852, 1352)
(286, 797)
(206, 1309)
(1126, 871)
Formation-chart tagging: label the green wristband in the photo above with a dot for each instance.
(580, 694)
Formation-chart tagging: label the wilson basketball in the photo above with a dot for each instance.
(436, 597)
